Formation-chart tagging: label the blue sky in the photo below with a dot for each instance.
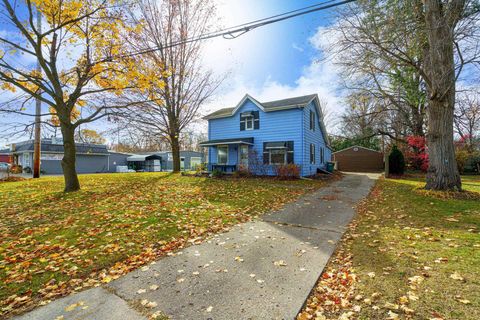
(273, 62)
(281, 50)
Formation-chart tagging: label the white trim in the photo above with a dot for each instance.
(240, 104)
(357, 147)
(225, 143)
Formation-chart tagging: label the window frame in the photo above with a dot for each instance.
(226, 154)
(251, 120)
(276, 163)
(286, 147)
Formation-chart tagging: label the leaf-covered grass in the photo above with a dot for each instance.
(408, 255)
(52, 243)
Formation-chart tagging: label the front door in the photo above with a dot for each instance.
(244, 156)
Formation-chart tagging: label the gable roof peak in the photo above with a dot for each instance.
(288, 103)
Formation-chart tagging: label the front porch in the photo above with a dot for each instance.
(228, 155)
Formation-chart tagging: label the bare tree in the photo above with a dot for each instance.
(467, 117)
(431, 40)
(187, 84)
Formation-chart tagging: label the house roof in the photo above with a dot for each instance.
(226, 141)
(225, 112)
(296, 102)
(290, 103)
(358, 147)
(48, 146)
(143, 157)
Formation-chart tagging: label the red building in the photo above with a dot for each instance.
(5, 156)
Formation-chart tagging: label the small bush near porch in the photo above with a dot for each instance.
(53, 243)
(410, 254)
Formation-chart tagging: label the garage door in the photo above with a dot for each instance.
(358, 159)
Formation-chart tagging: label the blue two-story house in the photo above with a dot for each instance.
(261, 135)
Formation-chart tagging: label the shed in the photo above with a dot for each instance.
(359, 159)
(145, 162)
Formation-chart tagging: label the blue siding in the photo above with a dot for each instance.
(274, 126)
(282, 125)
(316, 138)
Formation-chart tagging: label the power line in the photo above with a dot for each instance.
(237, 31)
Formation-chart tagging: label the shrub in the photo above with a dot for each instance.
(417, 156)
(396, 161)
(200, 167)
(241, 172)
(16, 169)
(217, 173)
(467, 162)
(287, 171)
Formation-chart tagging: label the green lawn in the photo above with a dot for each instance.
(410, 254)
(52, 243)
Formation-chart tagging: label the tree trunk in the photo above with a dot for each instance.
(174, 143)
(442, 172)
(68, 161)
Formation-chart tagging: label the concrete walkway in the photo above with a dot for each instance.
(263, 269)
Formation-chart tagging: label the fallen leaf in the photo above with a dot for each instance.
(456, 276)
(280, 263)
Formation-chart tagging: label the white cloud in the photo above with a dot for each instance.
(319, 76)
(297, 47)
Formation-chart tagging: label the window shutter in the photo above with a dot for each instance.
(242, 123)
(266, 159)
(312, 120)
(289, 146)
(256, 120)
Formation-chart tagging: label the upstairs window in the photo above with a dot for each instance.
(249, 120)
(312, 120)
(312, 153)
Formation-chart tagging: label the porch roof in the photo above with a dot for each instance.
(247, 141)
(143, 157)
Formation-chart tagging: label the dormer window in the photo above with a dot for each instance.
(249, 120)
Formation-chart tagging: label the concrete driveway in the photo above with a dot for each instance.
(263, 269)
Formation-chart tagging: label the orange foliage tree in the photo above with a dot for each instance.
(83, 63)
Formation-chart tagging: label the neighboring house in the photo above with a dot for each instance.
(96, 158)
(359, 159)
(163, 161)
(261, 135)
(91, 158)
(5, 155)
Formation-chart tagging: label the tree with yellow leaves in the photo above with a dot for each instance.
(83, 60)
(171, 108)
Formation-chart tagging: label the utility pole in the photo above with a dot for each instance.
(38, 112)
